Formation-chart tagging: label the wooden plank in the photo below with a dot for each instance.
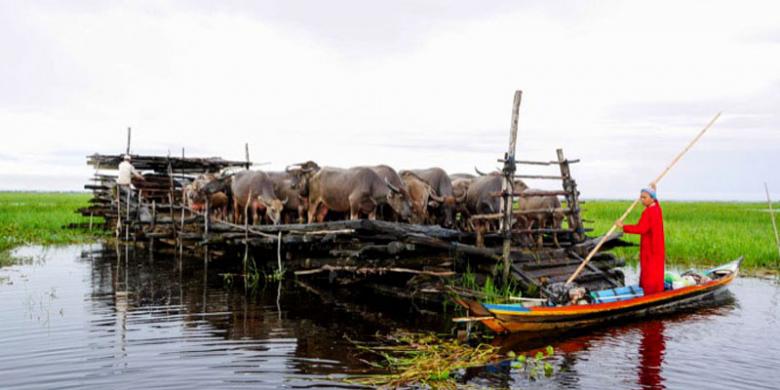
(545, 177)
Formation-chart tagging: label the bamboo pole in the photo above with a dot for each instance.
(508, 186)
(246, 231)
(246, 152)
(118, 211)
(774, 224)
(127, 220)
(625, 214)
(279, 253)
(127, 151)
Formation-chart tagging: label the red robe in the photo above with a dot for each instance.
(651, 248)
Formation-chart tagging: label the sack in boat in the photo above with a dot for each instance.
(565, 294)
(616, 294)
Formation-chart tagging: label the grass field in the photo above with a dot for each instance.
(39, 218)
(696, 232)
(699, 232)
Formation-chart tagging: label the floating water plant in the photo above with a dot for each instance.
(422, 359)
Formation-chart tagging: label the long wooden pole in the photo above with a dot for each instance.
(622, 217)
(246, 153)
(772, 215)
(508, 186)
(127, 151)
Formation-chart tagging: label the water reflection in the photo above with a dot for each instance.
(651, 352)
(127, 317)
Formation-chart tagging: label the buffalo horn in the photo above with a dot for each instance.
(392, 187)
(435, 197)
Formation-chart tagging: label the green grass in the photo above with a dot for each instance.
(39, 218)
(696, 232)
(699, 232)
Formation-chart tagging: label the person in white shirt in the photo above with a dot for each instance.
(124, 181)
(127, 172)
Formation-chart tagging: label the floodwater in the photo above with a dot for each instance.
(105, 317)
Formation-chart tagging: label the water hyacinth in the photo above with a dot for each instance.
(422, 359)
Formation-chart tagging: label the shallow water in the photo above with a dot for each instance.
(127, 319)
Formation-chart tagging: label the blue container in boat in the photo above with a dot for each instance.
(616, 294)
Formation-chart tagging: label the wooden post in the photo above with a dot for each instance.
(171, 197)
(207, 217)
(127, 151)
(92, 213)
(181, 227)
(246, 152)
(118, 211)
(127, 220)
(246, 233)
(508, 186)
(154, 214)
(774, 224)
(279, 253)
(572, 198)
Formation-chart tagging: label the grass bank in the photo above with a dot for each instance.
(28, 218)
(699, 232)
(696, 232)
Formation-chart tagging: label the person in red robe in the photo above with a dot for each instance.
(651, 245)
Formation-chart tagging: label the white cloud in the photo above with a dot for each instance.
(622, 85)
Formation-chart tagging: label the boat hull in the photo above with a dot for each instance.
(542, 319)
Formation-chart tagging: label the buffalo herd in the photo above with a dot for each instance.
(307, 193)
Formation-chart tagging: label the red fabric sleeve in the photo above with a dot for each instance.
(642, 227)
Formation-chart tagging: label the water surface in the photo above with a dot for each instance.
(105, 317)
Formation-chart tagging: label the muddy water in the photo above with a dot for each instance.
(105, 317)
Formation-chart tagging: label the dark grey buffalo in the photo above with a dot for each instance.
(460, 187)
(398, 186)
(443, 199)
(481, 194)
(356, 190)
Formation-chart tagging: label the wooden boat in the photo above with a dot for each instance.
(510, 318)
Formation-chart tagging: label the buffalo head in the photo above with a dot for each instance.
(398, 199)
(273, 208)
(300, 175)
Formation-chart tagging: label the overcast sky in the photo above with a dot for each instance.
(621, 85)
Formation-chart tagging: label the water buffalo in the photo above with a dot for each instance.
(256, 187)
(479, 196)
(195, 195)
(419, 193)
(295, 208)
(460, 187)
(443, 201)
(300, 175)
(389, 175)
(549, 214)
(355, 190)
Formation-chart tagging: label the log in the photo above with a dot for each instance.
(372, 270)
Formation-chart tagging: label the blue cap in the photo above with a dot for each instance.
(650, 192)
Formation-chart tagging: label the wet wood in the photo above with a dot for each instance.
(358, 251)
(372, 270)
